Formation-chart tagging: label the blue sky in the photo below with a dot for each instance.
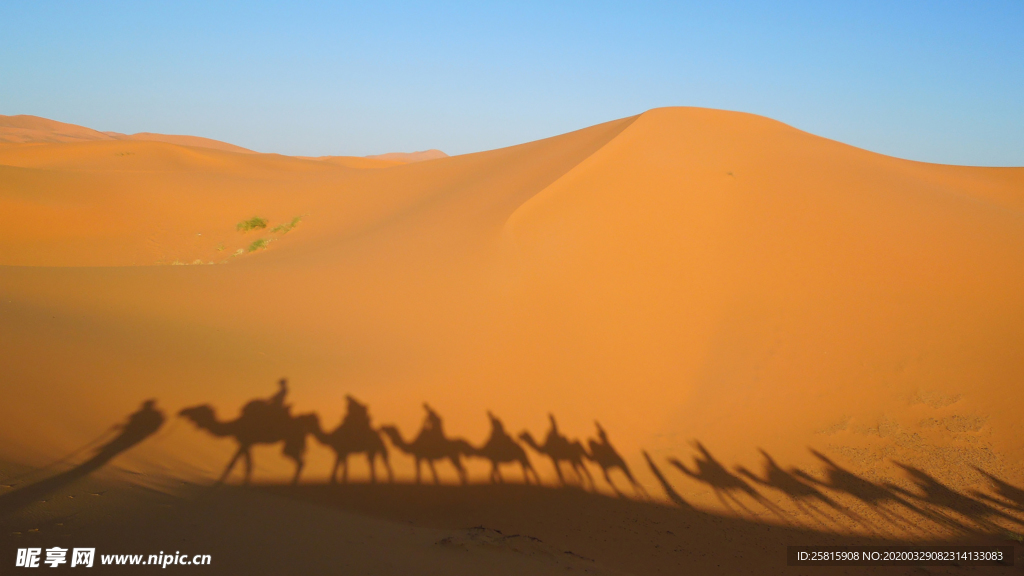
(934, 81)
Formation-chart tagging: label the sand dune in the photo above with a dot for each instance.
(182, 140)
(355, 161)
(683, 275)
(24, 129)
(27, 129)
(410, 156)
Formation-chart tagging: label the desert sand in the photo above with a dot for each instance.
(809, 341)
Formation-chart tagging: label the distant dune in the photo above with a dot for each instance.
(28, 129)
(24, 129)
(746, 303)
(355, 161)
(411, 156)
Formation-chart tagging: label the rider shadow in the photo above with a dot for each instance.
(140, 425)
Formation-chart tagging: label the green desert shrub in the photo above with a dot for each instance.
(259, 244)
(286, 228)
(254, 223)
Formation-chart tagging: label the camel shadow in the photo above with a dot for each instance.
(140, 425)
(501, 448)
(725, 484)
(949, 501)
(355, 435)
(560, 449)
(431, 445)
(881, 499)
(1009, 496)
(802, 494)
(261, 421)
(608, 458)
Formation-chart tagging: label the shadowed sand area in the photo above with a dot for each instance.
(796, 333)
(426, 529)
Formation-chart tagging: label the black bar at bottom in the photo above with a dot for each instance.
(899, 555)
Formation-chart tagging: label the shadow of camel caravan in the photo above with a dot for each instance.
(927, 505)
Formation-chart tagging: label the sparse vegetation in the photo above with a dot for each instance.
(239, 252)
(254, 223)
(286, 228)
(259, 244)
(220, 247)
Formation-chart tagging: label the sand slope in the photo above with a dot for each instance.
(686, 274)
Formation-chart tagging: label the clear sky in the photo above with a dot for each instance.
(932, 80)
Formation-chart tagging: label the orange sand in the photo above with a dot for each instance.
(683, 274)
